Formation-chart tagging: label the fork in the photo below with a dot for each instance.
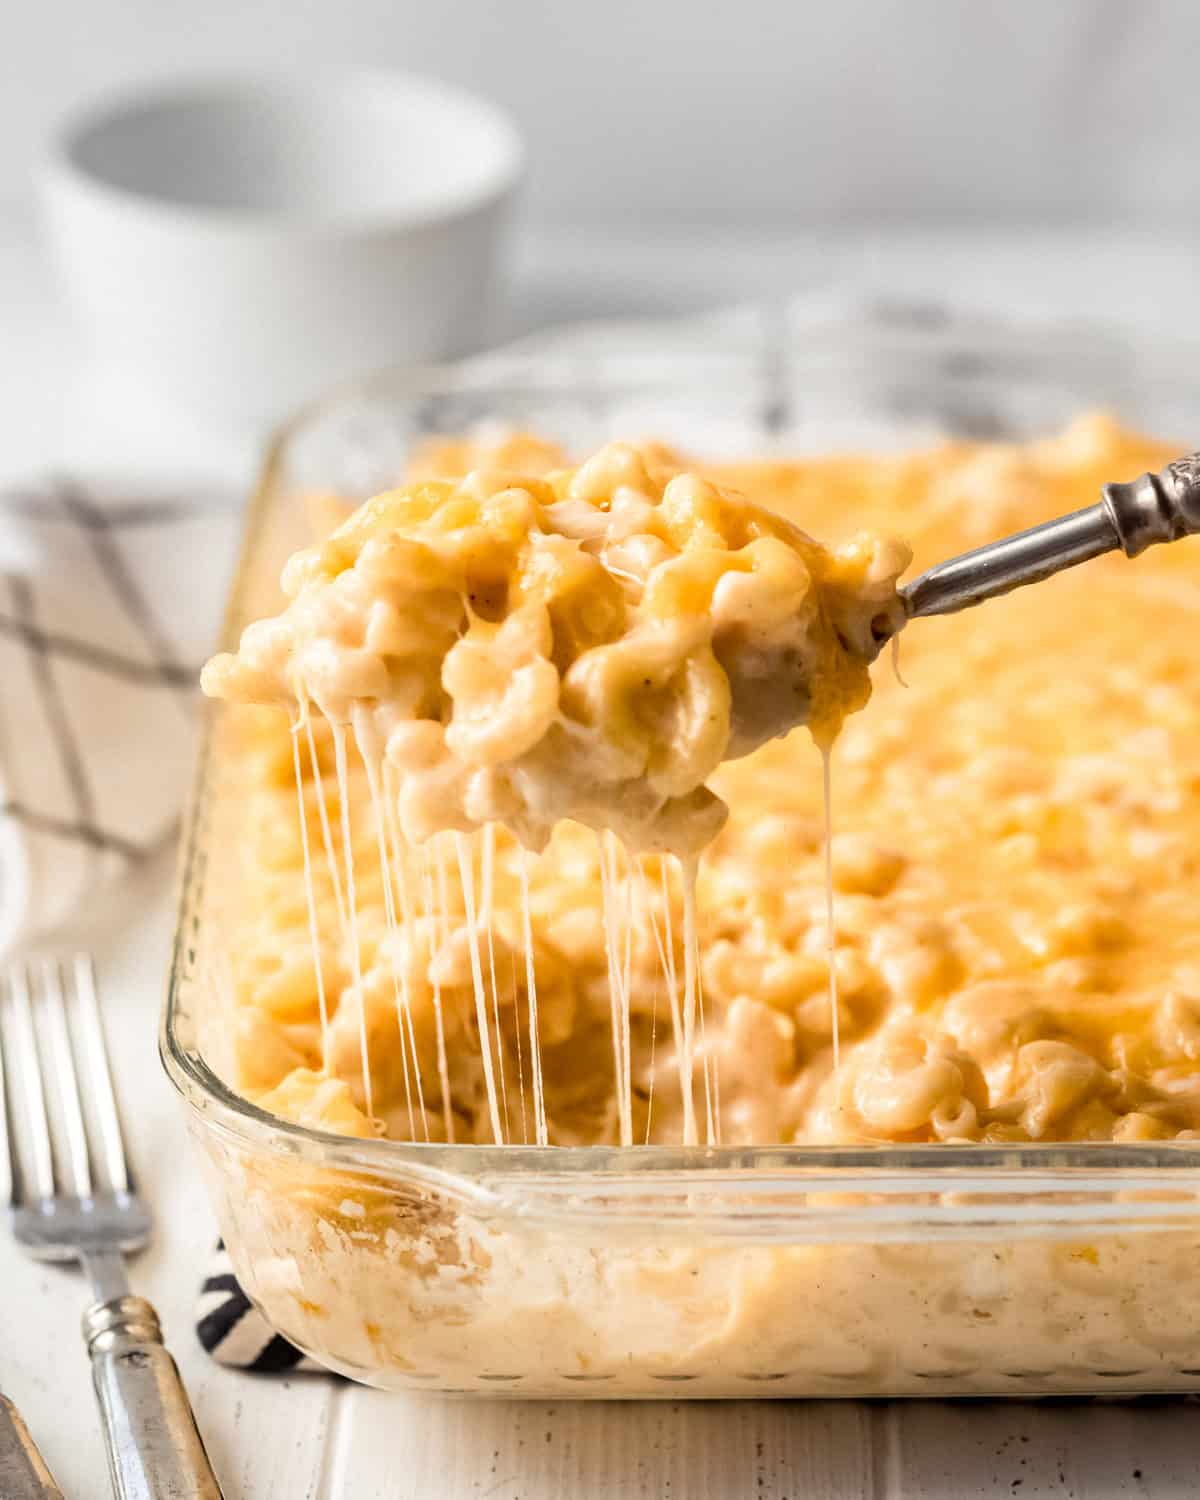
(78, 1203)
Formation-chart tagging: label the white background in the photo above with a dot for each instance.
(777, 114)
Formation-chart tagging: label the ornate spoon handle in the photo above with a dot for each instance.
(1158, 507)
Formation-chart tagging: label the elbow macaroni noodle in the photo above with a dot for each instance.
(586, 645)
(474, 666)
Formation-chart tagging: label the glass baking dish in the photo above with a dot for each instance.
(651, 1272)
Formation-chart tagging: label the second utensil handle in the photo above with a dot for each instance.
(23, 1471)
(155, 1451)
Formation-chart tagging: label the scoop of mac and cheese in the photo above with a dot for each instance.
(591, 645)
(1013, 861)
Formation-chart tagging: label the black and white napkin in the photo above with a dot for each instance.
(109, 601)
(234, 1332)
(110, 598)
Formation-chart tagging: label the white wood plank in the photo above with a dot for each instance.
(421, 1447)
(418, 1447)
(1027, 1451)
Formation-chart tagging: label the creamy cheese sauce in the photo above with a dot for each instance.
(1011, 954)
(504, 653)
(1007, 902)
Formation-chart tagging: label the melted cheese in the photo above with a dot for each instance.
(591, 646)
(1014, 865)
(1014, 955)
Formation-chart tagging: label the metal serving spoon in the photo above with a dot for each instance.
(1158, 507)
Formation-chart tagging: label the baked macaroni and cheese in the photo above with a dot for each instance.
(528, 854)
(590, 645)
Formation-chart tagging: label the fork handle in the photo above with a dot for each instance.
(155, 1451)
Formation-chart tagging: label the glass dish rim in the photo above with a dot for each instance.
(1039, 1168)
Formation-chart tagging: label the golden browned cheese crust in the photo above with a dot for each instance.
(1017, 834)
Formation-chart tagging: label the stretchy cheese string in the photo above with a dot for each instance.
(311, 898)
(400, 869)
(323, 814)
(535, 1047)
(398, 845)
(692, 951)
(617, 999)
(443, 892)
(389, 915)
(672, 976)
(387, 867)
(712, 1067)
(427, 901)
(486, 908)
(896, 661)
(343, 783)
(648, 906)
(466, 870)
(612, 1000)
(830, 930)
(687, 1061)
(516, 994)
(614, 1016)
(627, 984)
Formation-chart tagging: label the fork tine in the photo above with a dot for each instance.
(30, 1069)
(54, 1003)
(108, 1121)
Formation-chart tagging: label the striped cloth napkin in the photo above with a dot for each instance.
(235, 1333)
(109, 601)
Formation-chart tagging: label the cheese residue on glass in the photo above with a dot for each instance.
(506, 653)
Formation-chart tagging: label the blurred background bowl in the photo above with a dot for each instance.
(242, 243)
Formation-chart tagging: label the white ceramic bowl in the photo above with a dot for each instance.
(243, 243)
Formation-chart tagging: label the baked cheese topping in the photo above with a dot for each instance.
(1014, 867)
(1014, 855)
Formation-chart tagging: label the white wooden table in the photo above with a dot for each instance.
(311, 1439)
